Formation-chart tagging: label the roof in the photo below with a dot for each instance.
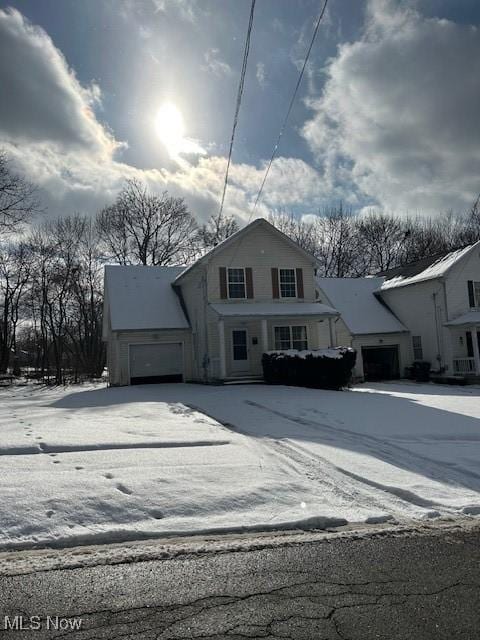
(266, 309)
(141, 297)
(361, 310)
(472, 317)
(427, 268)
(238, 234)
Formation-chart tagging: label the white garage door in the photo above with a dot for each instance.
(156, 362)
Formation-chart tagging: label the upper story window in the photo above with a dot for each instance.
(236, 283)
(474, 294)
(288, 283)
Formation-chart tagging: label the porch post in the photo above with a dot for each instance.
(476, 353)
(264, 336)
(221, 335)
(330, 329)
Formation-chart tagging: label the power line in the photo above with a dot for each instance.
(238, 102)
(290, 106)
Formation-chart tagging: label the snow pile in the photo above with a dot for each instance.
(334, 353)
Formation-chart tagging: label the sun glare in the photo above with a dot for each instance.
(170, 128)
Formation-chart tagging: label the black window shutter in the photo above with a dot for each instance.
(471, 296)
(469, 345)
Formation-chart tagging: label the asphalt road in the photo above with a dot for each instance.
(390, 587)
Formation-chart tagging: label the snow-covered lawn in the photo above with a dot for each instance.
(91, 464)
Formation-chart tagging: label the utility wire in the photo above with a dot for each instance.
(238, 103)
(290, 106)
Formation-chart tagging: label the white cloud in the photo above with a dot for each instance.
(260, 74)
(49, 128)
(214, 65)
(398, 116)
(186, 9)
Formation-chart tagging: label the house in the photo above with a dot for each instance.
(425, 310)
(438, 300)
(381, 341)
(212, 321)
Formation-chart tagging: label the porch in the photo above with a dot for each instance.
(465, 340)
(245, 331)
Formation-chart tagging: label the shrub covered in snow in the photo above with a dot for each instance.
(321, 368)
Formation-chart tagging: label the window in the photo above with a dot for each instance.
(288, 283)
(476, 294)
(291, 338)
(236, 283)
(417, 347)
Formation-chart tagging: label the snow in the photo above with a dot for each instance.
(436, 270)
(140, 297)
(335, 353)
(86, 465)
(472, 317)
(361, 311)
(274, 309)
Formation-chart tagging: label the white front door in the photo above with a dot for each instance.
(240, 362)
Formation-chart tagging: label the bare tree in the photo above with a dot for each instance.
(15, 271)
(143, 228)
(217, 229)
(18, 201)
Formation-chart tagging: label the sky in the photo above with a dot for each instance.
(96, 92)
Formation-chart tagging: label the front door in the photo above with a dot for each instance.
(240, 362)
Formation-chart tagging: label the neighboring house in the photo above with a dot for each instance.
(254, 292)
(382, 342)
(426, 310)
(438, 300)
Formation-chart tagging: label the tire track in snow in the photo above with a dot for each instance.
(347, 480)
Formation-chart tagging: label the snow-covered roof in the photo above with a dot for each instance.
(472, 317)
(361, 310)
(427, 268)
(143, 298)
(273, 309)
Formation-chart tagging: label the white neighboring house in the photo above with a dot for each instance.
(252, 293)
(382, 342)
(438, 300)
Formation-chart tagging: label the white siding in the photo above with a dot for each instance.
(261, 249)
(421, 308)
(456, 283)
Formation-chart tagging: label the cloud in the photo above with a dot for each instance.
(260, 74)
(214, 65)
(398, 115)
(41, 98)
(185, 9)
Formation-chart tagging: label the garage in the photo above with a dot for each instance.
(156, 362)
(381, 363)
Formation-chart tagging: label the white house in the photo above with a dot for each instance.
(252, 293)
(258, 291)
(438, 300)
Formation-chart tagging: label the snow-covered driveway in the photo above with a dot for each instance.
(90, 464)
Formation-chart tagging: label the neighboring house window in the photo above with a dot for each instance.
(236, 283)
(288, 283)
(291, 338)
(417, 348)
(474, 294)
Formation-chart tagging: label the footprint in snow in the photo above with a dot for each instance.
(156, 513)
(53, 455)
(109, 476)
(123, 489)
(49, 513)
(56, 461)
(79, 468)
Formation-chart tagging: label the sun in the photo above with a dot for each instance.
(170, 128)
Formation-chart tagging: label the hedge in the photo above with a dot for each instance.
(320, 369)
